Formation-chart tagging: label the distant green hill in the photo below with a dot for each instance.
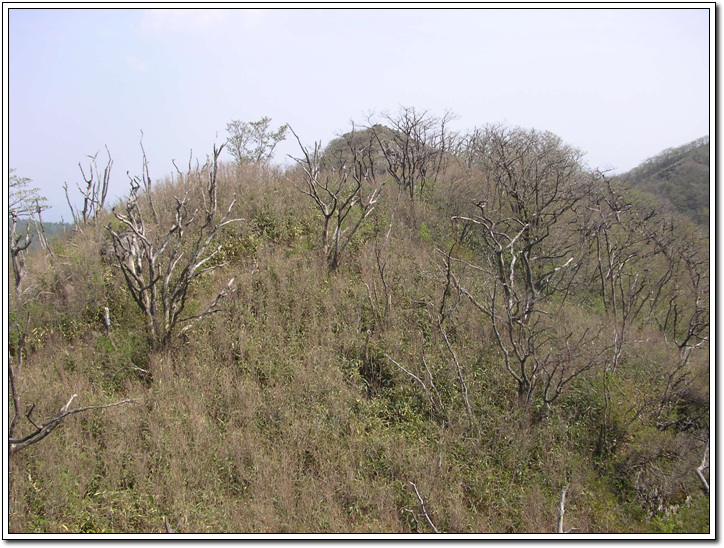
(52, 231)
(680, 176)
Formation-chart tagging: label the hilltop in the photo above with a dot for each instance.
(448, 344)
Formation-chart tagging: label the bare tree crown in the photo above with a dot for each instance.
(161, 261)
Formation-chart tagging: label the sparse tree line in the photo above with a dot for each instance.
(533, 236)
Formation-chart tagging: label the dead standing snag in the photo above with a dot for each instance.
(94, 194)
(160, 263)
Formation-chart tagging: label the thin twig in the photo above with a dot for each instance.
(432, 384)
(418, 379)
(414, 516)
(461, 378)
(439, 455)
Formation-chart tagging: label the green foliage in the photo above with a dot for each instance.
(680, 177)
(119, 357)
(253, 142)
(53, 232)
(691, 517)
(424, 233)
(23, 200)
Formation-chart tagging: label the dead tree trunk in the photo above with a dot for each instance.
(94, 192)
(160, 263)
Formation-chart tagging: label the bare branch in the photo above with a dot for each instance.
(522, 248)
(94, 191)
(16, 399)
(160, 263)
(213, 307)
(422, 508)
(414, 146)
(459, 370)
(562, 509)
(703, 466)
(433, 404)
(17, 444)
(167, 525)
(336, 182)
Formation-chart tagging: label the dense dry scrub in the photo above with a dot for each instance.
(370, 398)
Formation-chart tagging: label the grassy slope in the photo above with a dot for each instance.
(277, 416)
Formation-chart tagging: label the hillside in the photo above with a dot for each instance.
(680, 176)
(337, 349)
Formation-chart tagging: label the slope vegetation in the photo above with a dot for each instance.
(681, 177)
(514, 326)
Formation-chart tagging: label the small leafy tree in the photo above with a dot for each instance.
(23, 200)
(24, 204)
(253, 142)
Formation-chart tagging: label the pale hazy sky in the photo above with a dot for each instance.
(619, 84)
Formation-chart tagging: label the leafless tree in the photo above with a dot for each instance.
(19, 242)
(448, 306)
(344, 189)
(93, 191)
(160, 263)
(682, 316)
(633, 265)
(530, 185)
(650, 269)
(414, 144)
(25, 205)
(380, 294)
(685, 321)
(28, 204)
